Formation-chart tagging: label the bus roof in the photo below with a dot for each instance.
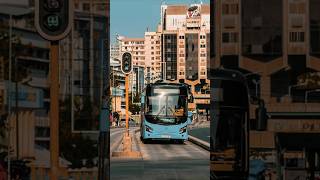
(166, 83)
(227, 74)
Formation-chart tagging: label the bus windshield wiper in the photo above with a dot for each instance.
(157, 115)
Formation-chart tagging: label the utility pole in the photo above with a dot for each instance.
(17, 104)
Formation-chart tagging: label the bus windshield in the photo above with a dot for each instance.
(166, 106)
(230, 102)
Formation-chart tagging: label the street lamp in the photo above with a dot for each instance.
(307, 93)
(256, 82)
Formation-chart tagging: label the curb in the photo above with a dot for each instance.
(205, 145)
(126, 154)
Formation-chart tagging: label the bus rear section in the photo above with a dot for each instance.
(229, 139)
(165, 112)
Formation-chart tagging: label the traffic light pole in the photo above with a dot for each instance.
(127, 104)
(54, 110)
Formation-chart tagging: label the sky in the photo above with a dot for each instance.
(131, 18)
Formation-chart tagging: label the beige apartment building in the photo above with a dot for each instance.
(136, 47)
(185, 32)
(153, 55)
(178, 51)
(277, 45)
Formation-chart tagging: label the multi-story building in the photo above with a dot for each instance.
(117, 87)
(277, 45)
(153, 55)
(185, 32)
(136, 47)
(82, 55)
(115, 51)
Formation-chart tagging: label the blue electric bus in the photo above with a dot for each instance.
(164, 112)
(230, 112)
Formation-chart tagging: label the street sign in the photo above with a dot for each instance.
(126, 63)
(53, 18)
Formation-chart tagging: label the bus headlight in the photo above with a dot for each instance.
(148, 128)
(183, 130)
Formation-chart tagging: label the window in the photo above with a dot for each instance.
(136, 47)
(86, 6)
(230, 8)
(230, 37)
(151, 37)
(297, 8)
(296, 36)
(202, 45)
(152, 53)
(181, 37)
(202, 55)
(152, 47)
(152, 58)
(202, 36)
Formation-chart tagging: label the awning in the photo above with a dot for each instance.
(203, 106)
(299, 140)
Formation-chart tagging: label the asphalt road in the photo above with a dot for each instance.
(163, 161)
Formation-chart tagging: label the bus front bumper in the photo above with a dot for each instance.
(165, 136)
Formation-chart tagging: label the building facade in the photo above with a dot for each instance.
(276, 45)
(185, 35)
(153, 56)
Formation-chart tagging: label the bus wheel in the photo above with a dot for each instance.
(179, 141)
(144, 141)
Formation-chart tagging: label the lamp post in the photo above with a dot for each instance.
(256, 82)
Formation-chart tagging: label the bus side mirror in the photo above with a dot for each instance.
(190, 117)
(261, 117)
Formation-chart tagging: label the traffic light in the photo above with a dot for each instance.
(53, 18)
(126, 64)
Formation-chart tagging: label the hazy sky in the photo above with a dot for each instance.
(132, 17)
